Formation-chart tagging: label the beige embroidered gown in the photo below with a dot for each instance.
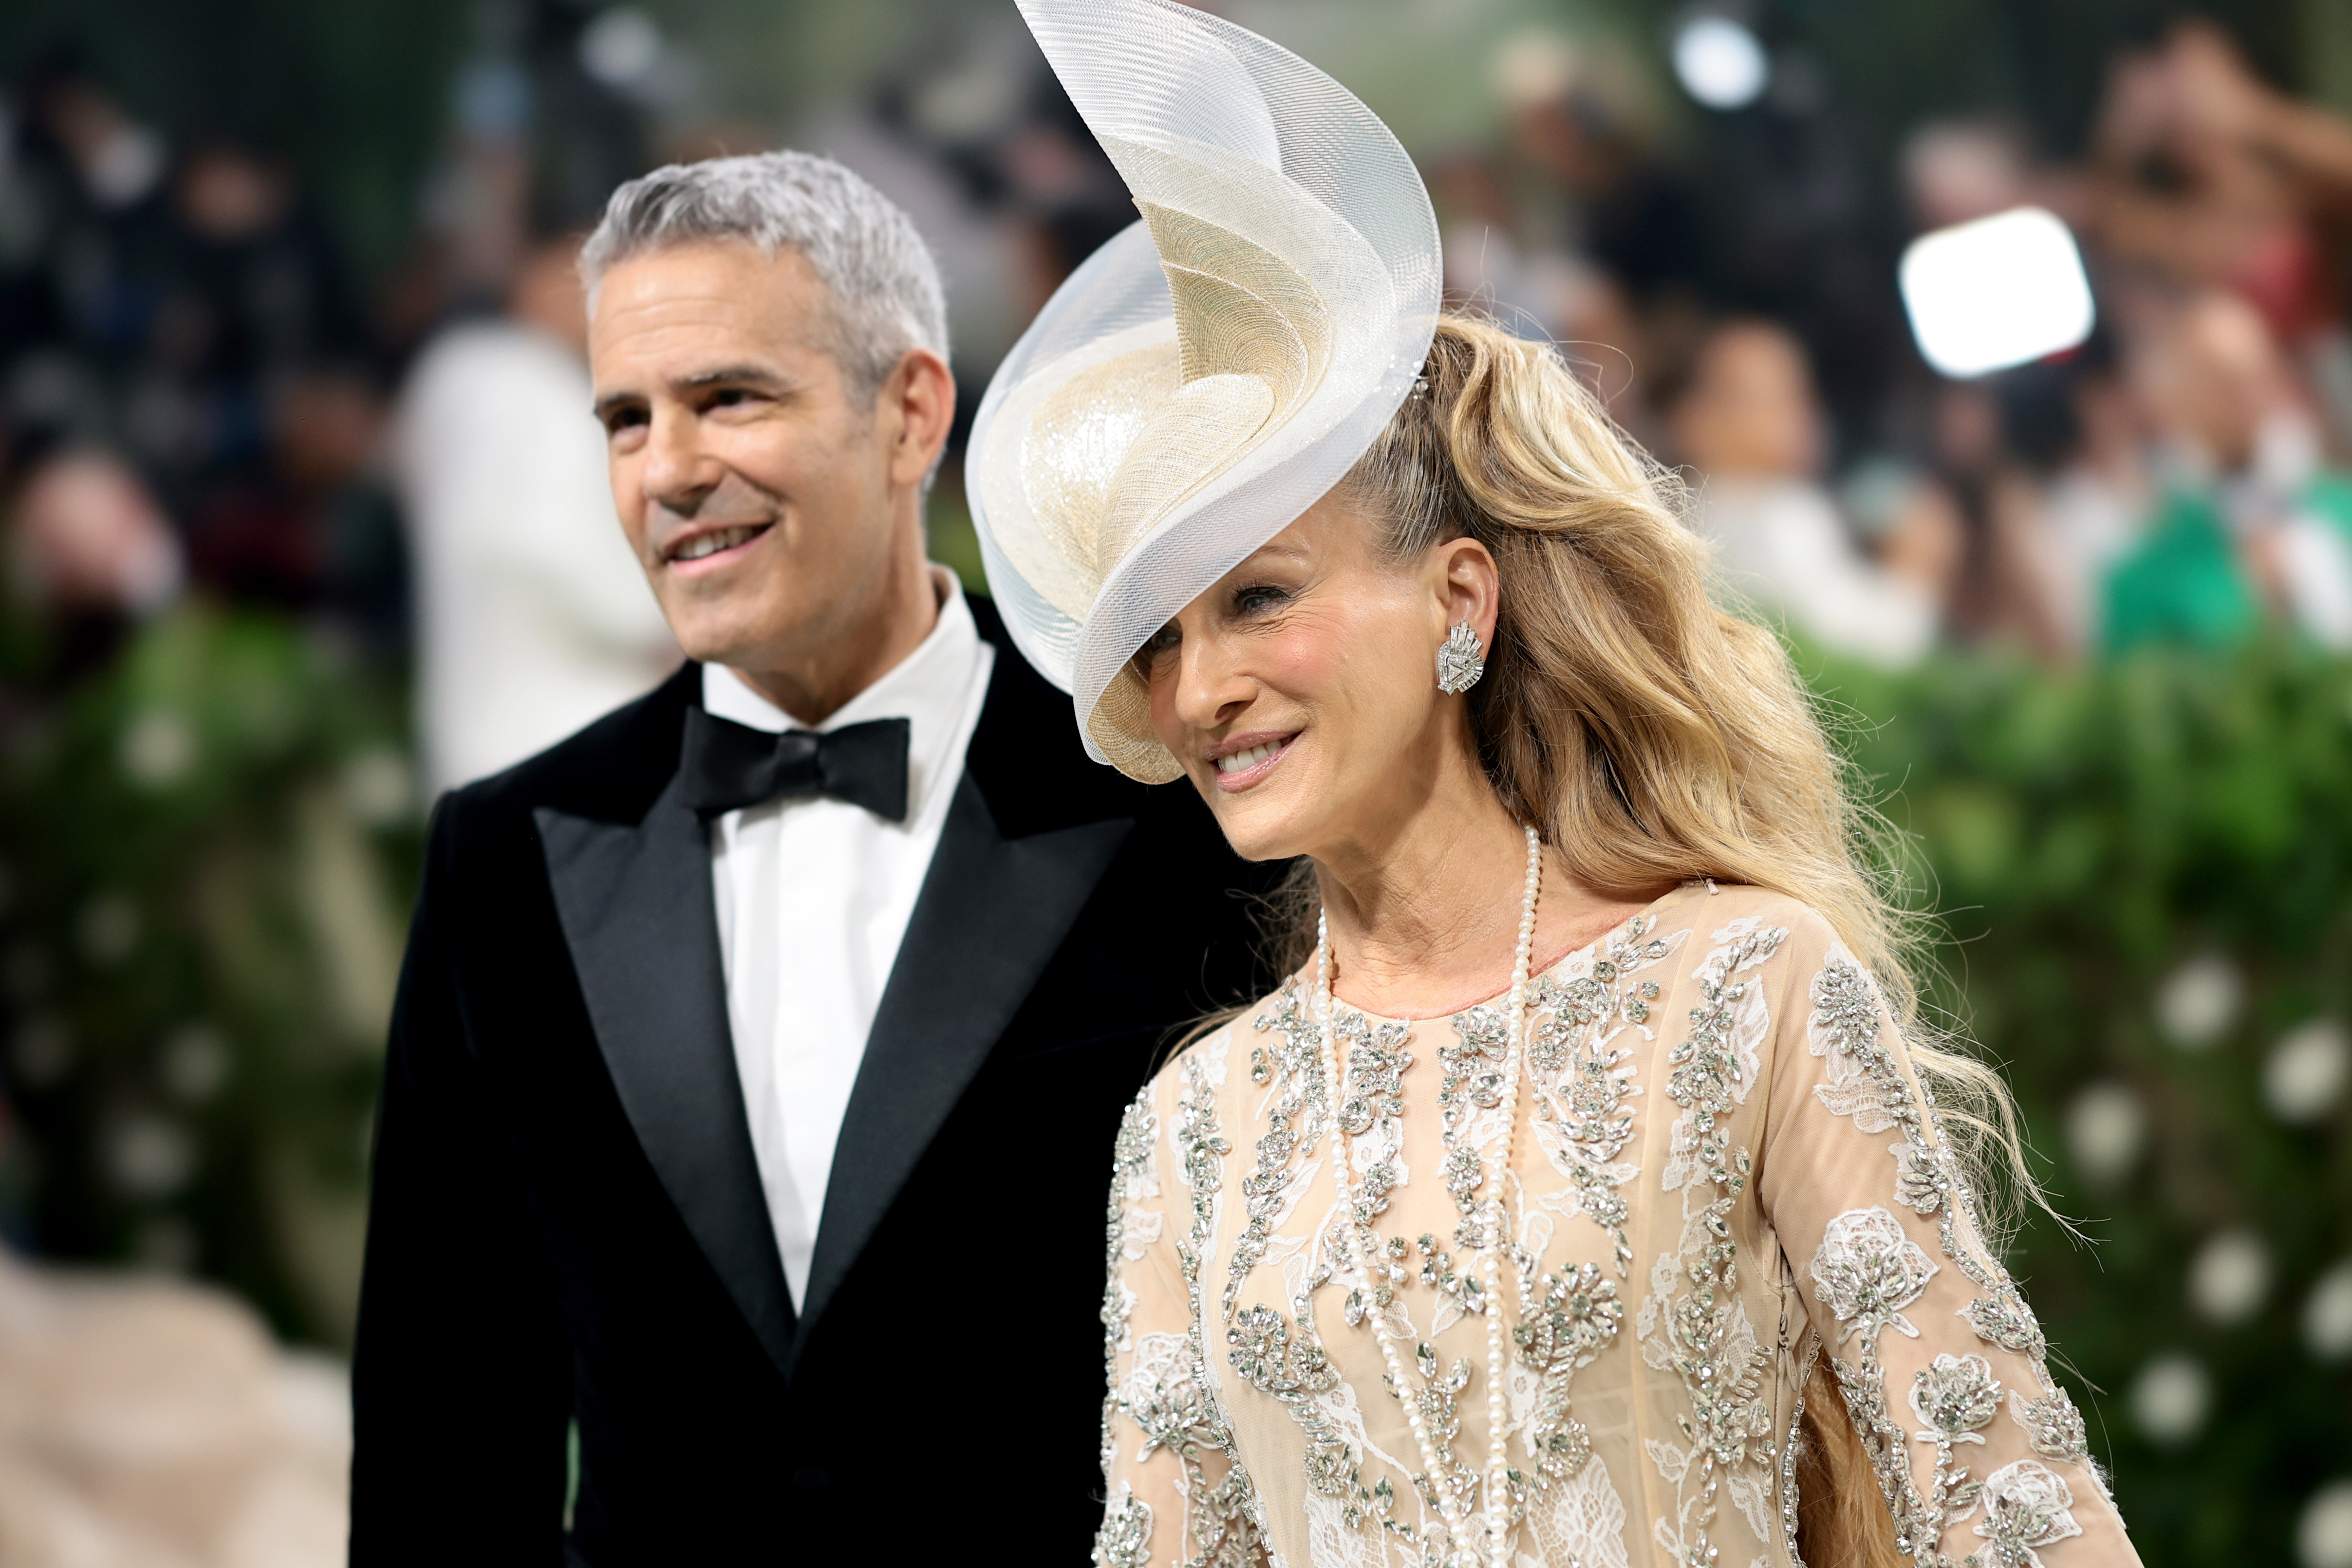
(1725, 1174)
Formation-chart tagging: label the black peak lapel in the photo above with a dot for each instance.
(993, 912)
(634, 899)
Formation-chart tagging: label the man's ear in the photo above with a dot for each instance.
(919, 401)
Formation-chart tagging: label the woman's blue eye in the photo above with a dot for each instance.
(1161, 641)
(1250, 600)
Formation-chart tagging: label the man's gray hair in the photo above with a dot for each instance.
(886, 286)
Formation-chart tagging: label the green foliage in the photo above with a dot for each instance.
(2089, 838)
(208, 853)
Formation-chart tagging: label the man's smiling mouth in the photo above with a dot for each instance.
(717, 539)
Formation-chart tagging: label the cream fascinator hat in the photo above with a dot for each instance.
(1207, 376)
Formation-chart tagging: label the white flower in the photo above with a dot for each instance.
(2323, 1538)
(2230, 1277)
(2106, 1129)
(378, 788)
(147, 1156)
(108, 928)
(193, 1062)
(2327, 1314)
(2307, 1071)
(157, 748)
(2199, 1001)
(2170, 1398)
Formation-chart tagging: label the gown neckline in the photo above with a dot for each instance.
(1306, 976)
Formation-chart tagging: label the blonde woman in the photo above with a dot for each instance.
(1585, 1197)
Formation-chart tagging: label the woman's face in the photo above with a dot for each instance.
(1300, 692)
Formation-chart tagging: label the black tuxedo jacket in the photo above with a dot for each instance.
(568, 1223)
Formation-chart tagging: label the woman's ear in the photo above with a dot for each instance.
(1470, 585)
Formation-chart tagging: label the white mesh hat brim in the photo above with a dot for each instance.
(1110, 490)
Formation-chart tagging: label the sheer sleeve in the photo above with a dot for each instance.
(1980, 1453)
(1175, 1493)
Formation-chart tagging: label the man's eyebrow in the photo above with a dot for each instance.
(722, 375)
(759, 375)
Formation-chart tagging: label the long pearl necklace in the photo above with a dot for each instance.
(1449, 1506)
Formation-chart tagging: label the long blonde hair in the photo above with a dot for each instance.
(1653, 737)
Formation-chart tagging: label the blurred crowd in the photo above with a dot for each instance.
(2176, 477)
(197, 396)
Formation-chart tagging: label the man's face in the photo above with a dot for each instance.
(751, 480)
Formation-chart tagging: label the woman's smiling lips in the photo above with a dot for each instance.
(1242, 760)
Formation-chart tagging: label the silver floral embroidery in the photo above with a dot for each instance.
(1574, 1315)
(1866, 1084)
(1180, 1413)
(1955, 1397)
(2052, 1425)
(1700, 1332)
(1124, 1541)
(1792, 1447)
(1291, 1367)
(1294, 1120)
(1582, 1079)
(2026, 1506)
(1866, 1271)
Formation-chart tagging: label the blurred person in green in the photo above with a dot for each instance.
(2249, 525)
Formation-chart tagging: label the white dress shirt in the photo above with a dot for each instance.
(533, 615)
(813, 897)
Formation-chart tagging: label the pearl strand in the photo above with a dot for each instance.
(1449, 1506)
(1498, 1494)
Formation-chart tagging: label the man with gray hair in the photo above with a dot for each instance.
(736, 1029)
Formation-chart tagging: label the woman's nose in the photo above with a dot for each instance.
(1211, 689)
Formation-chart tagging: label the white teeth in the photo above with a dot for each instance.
(711, 544)
(1240, 761)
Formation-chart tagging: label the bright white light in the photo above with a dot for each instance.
(2323, 1537)
(2000, 291)
(621, 48)
(1720, 63)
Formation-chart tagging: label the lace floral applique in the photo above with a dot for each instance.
(1866, 1084)
(1582, 1081)
(1866, 1271)
(1124, 1541)
(2051, 1425)
(1573, 1316)
(2026, 1506)
(1294, 1120)
(1291, 1368)
(1692, 1322)
(1955, 1397)
(1167, 1392)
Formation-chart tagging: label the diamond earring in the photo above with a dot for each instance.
(1460, 661)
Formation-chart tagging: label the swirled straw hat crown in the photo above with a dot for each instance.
(1211, 372)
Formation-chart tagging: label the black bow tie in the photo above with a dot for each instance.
(728, 766)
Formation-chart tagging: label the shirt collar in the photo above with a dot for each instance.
(931, 688)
